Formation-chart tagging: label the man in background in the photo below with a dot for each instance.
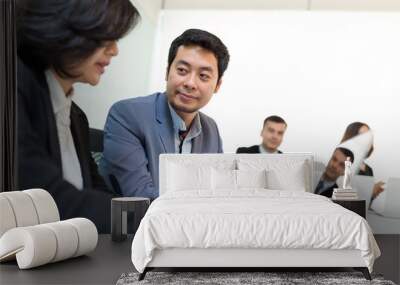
(272, 135)
(333, 170)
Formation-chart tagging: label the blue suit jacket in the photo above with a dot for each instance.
(137, 131)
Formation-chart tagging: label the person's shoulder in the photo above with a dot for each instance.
(329, 191)
(250, 149)
(23, 67)
(136, 102)
(134, 111)
(241, 150)
(77, 111)
(75, 108)
(136, 107)
(207, 119)
(29, 77)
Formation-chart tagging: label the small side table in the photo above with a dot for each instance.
(120, 207)
(357, 206)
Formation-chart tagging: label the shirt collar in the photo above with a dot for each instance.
(327, 184)
(195, 128)
(59, 100)
(263, 150)
(179, 124)
(177, 121)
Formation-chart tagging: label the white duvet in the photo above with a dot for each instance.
(250, 219)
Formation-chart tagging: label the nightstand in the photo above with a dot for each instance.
(357, 206)
(121, 207)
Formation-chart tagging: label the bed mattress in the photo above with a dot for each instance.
(251, 219)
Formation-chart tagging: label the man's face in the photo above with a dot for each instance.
(272, 135)
(192, 79)
(335, 167)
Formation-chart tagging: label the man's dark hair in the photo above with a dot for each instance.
(275, 119)
(60, 33)
(204, 39)
(346, 152)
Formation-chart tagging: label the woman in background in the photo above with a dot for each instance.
(60, 43)
(355, 129)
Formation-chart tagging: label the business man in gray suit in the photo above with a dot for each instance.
(138, 130)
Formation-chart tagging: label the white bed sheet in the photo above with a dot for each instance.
(252, 218)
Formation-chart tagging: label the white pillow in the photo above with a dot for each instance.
(291, 178)
(181, 177)
(218, 161)
(223, 179)
(251, 179)
(282, 173)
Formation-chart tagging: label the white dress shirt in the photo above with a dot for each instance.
(61, 103)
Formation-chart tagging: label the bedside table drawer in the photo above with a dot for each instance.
(357, 206)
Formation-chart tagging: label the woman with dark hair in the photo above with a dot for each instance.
(355, 129)
(60, 43)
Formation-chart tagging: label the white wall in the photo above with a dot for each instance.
(345, 5)
(128, 74)
(305, 66)
(318, 70)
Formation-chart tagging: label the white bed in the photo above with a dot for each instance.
(198, 223)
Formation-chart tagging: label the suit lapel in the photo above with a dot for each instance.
(198, 143)
(80, 142)
(164, 123)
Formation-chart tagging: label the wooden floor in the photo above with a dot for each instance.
(389, 262)
(106, 264)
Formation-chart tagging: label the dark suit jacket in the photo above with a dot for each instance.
(328, 192)
(251, 149)
(39, 158)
